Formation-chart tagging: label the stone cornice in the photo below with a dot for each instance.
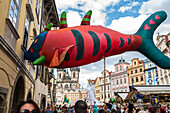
(5, 46)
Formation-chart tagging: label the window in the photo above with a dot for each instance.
(140, 69)
(74, 74)
(132, 80)
(116, 68)
(120, 68)
(59, 75)
(26, 31)
(136, 79)
(66, 87)
(113, 82)
(101, 88)
(108, 87)
(131, 72)
(121, 81)
(135, 63)
(117, 82)
(149, 74)
(141, 77)
(13, 13)
(106, 80)
(108, 95)
(124, 80)
(37, 9)
(136, 71)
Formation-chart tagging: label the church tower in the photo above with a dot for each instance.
(75, 77)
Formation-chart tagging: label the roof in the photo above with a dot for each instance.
(122, 61)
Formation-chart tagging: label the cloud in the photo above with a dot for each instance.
(130, 5)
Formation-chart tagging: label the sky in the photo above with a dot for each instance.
(124, 16)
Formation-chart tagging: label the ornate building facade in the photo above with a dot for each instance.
(151, 74)
(119, 78)
(136, 72)
(163, 74)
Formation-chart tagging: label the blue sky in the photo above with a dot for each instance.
(125, 16)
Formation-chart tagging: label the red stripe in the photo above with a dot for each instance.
(63, 26)
(46, 29)
(87, 16)
(85, 23)
(61, 19)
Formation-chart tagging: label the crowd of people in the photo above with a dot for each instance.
(80, 106)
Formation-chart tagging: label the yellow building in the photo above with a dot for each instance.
(97, 88)
(136, 72)
(21, 22)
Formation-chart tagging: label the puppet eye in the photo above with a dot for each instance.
(35, 41)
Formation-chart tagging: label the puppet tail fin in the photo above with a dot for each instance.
(148, 47)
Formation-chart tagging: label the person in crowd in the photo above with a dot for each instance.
(48, 110)
(95, 108)
(150, 108)
(55, 110)
(130, 108)
(28, 106)
(162, 109)
(113, 111)
(102, 111)
(114, 106)
(71, 109)
(80, 107)
(108, 107)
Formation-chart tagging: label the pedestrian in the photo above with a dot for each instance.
(48, 110)
(95, 109)
(102, 111)
(108, 107)
(130, 108)
(55, 110)
(150, 108)
(28, 106)
(80, 107)
(162, 109)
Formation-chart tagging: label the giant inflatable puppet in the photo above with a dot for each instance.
(76, 46)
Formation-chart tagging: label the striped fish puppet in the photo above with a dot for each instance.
(76, 46)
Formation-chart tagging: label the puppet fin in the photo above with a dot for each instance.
(86, 19)
(40, 60)
(48, 27)
(59, 56)
(63, 20)
(148, 47)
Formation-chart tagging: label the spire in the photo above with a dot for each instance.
(86, 19)
(63, 20)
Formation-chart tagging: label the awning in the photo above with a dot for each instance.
(159, 89)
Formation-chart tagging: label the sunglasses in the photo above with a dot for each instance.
(27, 111)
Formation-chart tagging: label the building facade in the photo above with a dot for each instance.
(21, 22)
(136, 72)
(119, 78)
(75, 95)
(163, 74)
(151, 74)
(97, 88)
(105, 92)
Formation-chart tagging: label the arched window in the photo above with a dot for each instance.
(66, 87)
(135, 63)
(116, 68)
(121, 68)
(74, 74)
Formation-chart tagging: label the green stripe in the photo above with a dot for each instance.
(129, 41)
(89, 12)
(96, 42)
(109, 42)
(79, 43)
(63, 22)
(122, 42)
(86, 19)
